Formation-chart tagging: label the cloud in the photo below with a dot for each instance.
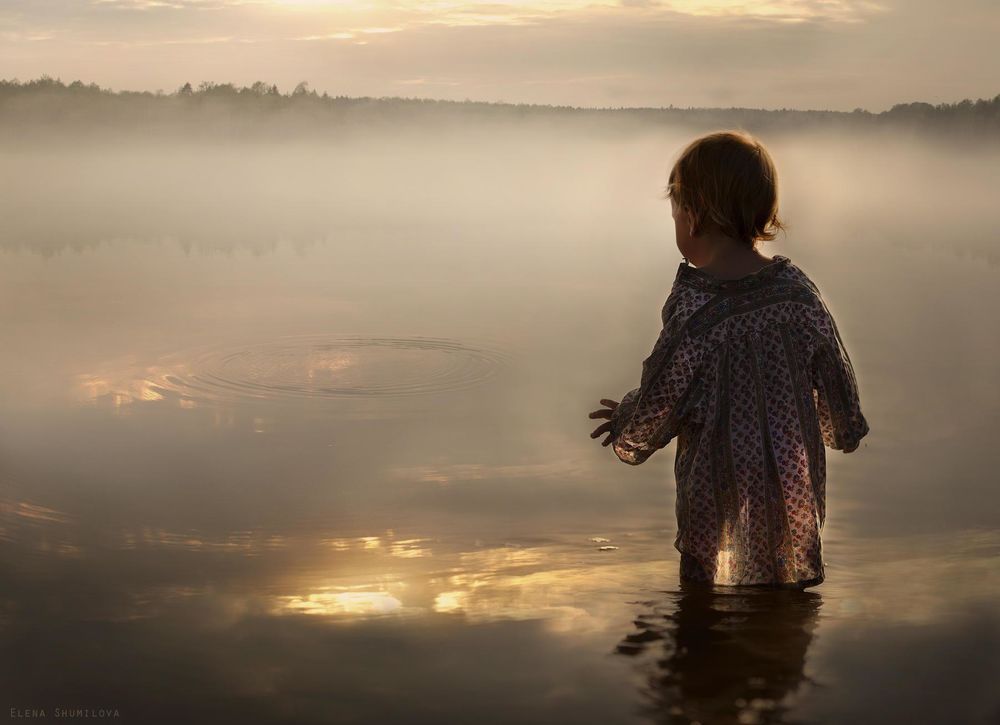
(835, 54)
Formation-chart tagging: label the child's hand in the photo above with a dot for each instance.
(604, 413)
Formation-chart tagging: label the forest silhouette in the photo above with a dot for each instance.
(46, 104)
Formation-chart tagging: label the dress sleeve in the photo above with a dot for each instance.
(835, 387)
(649, 417)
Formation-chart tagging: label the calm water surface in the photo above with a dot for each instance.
(299, 435)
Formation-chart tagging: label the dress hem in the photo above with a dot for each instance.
(691, 564)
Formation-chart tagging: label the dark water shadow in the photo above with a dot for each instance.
(711, 654)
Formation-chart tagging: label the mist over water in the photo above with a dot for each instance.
(296, 431)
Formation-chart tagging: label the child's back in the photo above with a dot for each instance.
(752, 377)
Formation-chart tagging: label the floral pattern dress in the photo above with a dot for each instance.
(752, 378)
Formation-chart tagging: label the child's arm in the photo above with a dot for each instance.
(649, 416)
(835, 388)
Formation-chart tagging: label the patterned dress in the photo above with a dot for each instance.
(752, 378)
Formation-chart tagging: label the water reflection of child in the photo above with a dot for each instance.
(749, 373)
(722, 656)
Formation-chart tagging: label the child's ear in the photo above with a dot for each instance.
(692, 223)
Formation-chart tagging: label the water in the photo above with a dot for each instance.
(299, 434)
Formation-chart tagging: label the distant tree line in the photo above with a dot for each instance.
(46, 103)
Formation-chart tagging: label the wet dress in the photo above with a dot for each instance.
(752, 378)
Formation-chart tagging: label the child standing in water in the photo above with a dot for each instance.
(749, 373)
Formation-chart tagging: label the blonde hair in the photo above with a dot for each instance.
(729, 179)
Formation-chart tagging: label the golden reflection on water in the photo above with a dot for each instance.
(898, 578)
(916, 580)
(124, 382)
(32, 511)
(344, 603)
(481, 586)
(277, 367)
(120, 393)
(323, 367)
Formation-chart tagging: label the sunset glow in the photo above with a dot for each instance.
(710, 53)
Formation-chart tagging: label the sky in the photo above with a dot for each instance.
(802, 54)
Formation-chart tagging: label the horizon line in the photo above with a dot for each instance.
(313, 93)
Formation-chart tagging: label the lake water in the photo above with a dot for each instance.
(298, 434)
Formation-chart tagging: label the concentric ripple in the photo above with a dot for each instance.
(329, 367)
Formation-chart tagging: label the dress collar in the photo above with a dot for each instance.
(703, 280)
